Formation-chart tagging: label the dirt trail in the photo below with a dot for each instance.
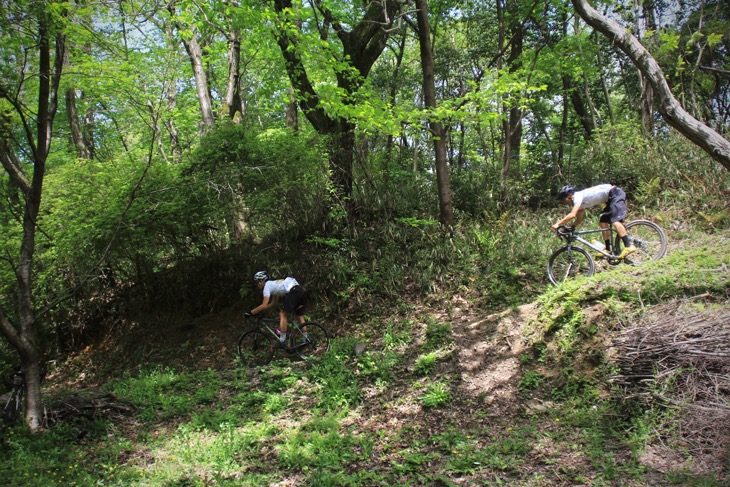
(488, 356)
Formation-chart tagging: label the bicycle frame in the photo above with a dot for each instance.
(272, 324)
(576, 236)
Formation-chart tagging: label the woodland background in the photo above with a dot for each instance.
(157, 154)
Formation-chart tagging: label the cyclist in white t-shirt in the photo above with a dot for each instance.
(614, 212)
(292, 295)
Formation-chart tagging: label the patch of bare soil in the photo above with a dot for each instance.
(488, 356)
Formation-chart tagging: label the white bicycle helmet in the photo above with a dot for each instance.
(261, 276)
(565, 191)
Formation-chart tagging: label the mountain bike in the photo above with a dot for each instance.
(256, 347)
(572, 261)
(16, 401)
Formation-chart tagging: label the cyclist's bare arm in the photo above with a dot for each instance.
(267, 303)
(576, 213)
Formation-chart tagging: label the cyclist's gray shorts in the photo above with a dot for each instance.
(615, 210)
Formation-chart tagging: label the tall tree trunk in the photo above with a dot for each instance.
(232, 106)
(563, 126)
(394, 84)
(513, 134)
(579, 105)
(171, 126)
(673, 113)
(501, 34)
(292, 111)
(604, 82)
(436, 127)
(171, 88)
(646, 95)
(82, 129)
(77, 133)
(645, 10)
(23, 335)
(202, 90)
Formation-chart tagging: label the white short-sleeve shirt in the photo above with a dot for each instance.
(590, 197)
(279, 287)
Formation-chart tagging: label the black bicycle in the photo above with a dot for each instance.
(16, 401)
(256, 347)
(571, 260)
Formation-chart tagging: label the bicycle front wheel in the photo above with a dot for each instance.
(310, 340)
(649, 240)
(570, 263)
(255, 348)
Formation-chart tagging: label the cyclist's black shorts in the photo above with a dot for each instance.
(615, 210)
(295, 300)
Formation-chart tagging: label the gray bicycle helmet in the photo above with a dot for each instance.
(261, 276)
(565, 191)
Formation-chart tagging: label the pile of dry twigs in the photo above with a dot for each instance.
(682, 360)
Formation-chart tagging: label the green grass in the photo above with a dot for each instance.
(397, 414)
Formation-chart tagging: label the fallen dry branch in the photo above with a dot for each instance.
(87, 406)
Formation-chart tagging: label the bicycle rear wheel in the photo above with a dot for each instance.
(570, 263)
(310, 340)
(649, 240)
(255, 348)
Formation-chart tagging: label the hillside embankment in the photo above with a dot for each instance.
(620, 379)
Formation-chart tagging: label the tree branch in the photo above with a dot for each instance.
(673, 113)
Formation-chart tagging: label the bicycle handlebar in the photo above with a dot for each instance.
(564, 231)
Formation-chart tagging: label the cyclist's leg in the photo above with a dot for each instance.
(283, 321)
(617, 209)
(293, 303)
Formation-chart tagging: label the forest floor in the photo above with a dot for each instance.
(482, 366)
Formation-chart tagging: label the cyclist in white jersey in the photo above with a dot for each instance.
(614, 212)
(291, 294)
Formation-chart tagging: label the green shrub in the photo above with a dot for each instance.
(437, 394)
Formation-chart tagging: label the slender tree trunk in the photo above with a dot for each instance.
(673, 113)
(232, 101)
(171, 126)
(604, 83)
(395, 82)
(563, 126)
(437, 128)
(513, 134)
(82, 129)
(171, 91)
(460, 158)
(646, 105)
(202, 90)
(77, 133)
(292, 111)
(23, 335)
(501, 34)
(579, 105)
